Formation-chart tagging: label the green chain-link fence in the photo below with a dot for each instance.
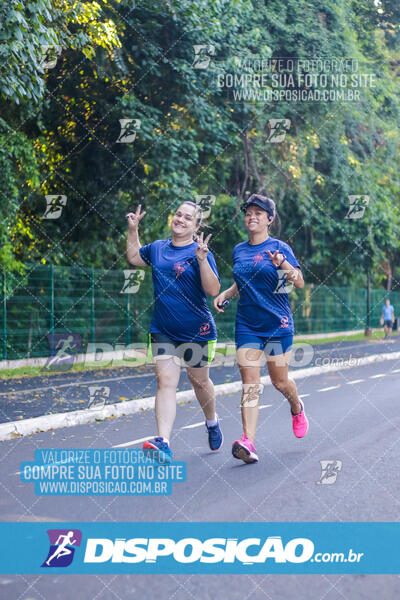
(115, 307)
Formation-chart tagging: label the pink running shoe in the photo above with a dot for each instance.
(300, 423)
(245, 450)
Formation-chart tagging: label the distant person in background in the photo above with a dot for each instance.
(387, 318)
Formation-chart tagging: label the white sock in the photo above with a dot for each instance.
(212, 422)
(165, 440)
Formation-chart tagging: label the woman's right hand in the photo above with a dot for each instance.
(135, 218)
(219, 300)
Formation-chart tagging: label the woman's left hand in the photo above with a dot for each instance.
(276, 258)
(202, 249)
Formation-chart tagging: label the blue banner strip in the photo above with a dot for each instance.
(241, 548)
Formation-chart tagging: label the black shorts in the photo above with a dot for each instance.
(388, 323)
(193, 354)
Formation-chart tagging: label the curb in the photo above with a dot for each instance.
(15, 429)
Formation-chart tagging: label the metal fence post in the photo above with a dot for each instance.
(92, 313)
(128, 320)
(51, 328)
(4, 320)
(368, 331)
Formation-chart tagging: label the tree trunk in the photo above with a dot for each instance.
(388, 272)
(246, 163)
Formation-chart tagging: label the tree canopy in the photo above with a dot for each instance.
(112, 103)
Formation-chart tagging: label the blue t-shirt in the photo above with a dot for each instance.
(261, 309)
(180, 303)
(388, 312)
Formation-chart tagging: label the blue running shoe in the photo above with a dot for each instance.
(164, 454)
(215, 437)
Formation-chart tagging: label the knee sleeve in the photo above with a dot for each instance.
(251, 394)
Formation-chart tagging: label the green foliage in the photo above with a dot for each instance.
(60, 128)
(27, 30)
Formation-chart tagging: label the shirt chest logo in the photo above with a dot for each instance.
(180, 267)
(258, 258)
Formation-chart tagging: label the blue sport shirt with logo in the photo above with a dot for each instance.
(180, 303)
(261, 310)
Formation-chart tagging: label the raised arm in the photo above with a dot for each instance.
(132, 243)
(209, 280)
(293, 274)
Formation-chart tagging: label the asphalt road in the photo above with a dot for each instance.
(354, 418)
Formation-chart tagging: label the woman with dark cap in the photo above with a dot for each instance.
(262, 268)
(182, 327)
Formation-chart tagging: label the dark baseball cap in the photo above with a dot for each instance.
(263, 202)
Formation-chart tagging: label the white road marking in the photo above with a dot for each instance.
(193, 426)
(327, 389)
(396, 371)
(133, 442)
(378, 375)
(303, 396)
(149, 437)
(264, 406)
(354, 381)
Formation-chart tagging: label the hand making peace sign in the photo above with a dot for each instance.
(202, 249)
(135, 218)
(276, 258)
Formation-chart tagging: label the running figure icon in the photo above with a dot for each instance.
(62, 549)
(63, 544)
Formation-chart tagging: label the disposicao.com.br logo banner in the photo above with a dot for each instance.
(200, 547)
